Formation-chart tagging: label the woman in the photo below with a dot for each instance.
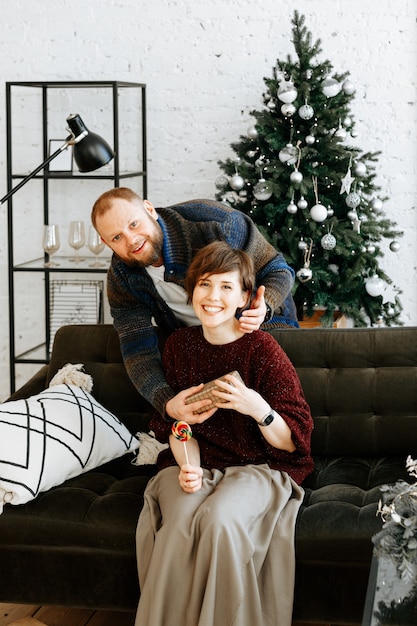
(215, 539)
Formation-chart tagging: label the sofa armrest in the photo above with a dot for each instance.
(34, 385)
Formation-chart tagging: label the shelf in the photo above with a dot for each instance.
(65, 265)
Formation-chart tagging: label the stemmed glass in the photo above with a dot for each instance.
(96, 246)
(76, 239)
(51, 243)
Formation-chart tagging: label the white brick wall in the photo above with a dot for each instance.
(204, 63)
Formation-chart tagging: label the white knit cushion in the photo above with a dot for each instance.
(53, 436)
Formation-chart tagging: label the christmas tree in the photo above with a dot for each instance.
(311, 193)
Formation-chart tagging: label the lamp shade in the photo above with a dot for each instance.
(90, 151)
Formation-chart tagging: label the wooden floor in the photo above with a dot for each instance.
(33, 615)
(29, 615)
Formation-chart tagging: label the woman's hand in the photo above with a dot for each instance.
(178, 410)
(190, 478)
(240, 398)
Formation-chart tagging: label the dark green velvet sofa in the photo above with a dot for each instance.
(74, 544)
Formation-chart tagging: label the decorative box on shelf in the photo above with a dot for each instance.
(313, 321)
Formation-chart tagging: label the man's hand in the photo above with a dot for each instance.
(253, 317)
(178, 410)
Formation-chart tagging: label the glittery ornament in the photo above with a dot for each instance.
(328, 242)
(306, 112)
(262, 190)
(353, 199)
(289, 154)
(287, 92)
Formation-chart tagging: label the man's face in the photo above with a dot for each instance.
(132, 232)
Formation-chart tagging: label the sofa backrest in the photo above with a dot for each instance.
(361, 383)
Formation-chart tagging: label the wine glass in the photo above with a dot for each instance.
(76, 239)
(96, 246)
(51, 243)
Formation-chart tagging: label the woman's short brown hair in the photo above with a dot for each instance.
(217, 258)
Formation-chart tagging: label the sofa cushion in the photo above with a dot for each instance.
(53, 436)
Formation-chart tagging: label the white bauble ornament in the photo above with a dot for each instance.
(353, 199)
(288, 109)
(302, 245)
(394, 246)
(271, 105)
(376, 204)
(306, 112)
(374, 286)
(251, 153)
(287, 92)
(330, 87)
(352, 215)
(340, 133)
(262, 190)
(252, 132)
(348, 87)
(328, 242)
(370, 248)
(304, 274)
(360, 169)
(236, 182)
(289, 154)
(302, 203)
(330, 212)
(292, 208)
(310, 139)
(318, 213)
(296, 177)
(390, 311)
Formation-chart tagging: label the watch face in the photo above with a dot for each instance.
(268, 420)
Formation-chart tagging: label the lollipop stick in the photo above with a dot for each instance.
(186, 453)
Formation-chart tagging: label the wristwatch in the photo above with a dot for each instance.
(268, 419)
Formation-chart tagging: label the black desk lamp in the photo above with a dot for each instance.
(90, 151)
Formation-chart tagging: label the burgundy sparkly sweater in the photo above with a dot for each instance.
(230, 438)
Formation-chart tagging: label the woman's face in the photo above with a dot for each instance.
(216, 297)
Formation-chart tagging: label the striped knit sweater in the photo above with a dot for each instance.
(134, 301)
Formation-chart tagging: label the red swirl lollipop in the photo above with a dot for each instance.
(182, 431)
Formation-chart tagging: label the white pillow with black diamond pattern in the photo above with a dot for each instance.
(53, 436)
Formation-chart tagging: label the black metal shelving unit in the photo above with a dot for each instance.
(38, 353)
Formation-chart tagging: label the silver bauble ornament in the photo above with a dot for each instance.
(271, 105)
(302, 245)
(296, 177)
(318, 213)
(289, 154)
(292, 208)
(288, 109)
(251, 153)
(374, 286)
(376, 204)
(340, 133)
(306, 112)
(287, 92)
(330, 87)
(353, 199)
(370, 248)
(252, 132)
(262, 190)
(348, 87)
(328, 242)
(310, 139)
(390, 311)
(302, 203)
(360, 169)
(394, 246)
(236, 182)
(330, 211)
(304, 274)
(352, 215)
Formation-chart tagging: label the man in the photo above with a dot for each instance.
(152, 251)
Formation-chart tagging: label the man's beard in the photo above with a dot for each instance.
(154, 252)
